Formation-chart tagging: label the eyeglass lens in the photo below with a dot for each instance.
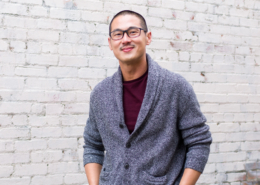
(133, 32)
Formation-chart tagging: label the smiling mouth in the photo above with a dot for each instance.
(127, 49)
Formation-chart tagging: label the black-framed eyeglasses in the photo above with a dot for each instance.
(132, 32)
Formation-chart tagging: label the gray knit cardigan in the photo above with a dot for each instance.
(170, 133)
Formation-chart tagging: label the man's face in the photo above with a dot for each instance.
(129, 50)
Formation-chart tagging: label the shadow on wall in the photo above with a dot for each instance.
(252, 173)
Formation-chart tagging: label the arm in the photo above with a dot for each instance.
(190, 177)
(93, 171)
(195, 133)
(93, 155)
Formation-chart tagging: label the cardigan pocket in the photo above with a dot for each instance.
(104, 177)
(152, 180)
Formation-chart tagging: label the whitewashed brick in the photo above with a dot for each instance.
(46, 132)
(175, 24)
(101, 17)
(196, 7)
(205, 18)
(73, 61)
(49, 48)
(64, 49)
(12, 8)
(160, 12)
(38, 11)
(179, 5)
(75, 178)
(92, 73)
(49, 179)
(89, 5)
(19, 120)
(6, 146)
(41, 83)
(29, 71)
(228, 20)
(46, 156)
(76, 108)
(63, 143)
(14, 158)
(5, 120)
(70, 84)
(227, 157)
(13, 107)
(3, 45)
(30, 169)
(229, 147)
(29, 145)
(64, 14)
(16, 181)
(51, 24)
(52, 109)
(6, 171)
(247, 146)
(33, 47)
(62, 167)
(57, 96)
(236, 166)
(62, 72)
(72, 131)
(36, 2)
(43, 35)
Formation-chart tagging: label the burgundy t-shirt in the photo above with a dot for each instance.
(133, 95)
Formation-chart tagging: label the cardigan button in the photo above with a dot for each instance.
(126, 165)
(128, 145)
(121, 126)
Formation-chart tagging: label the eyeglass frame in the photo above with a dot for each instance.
(126, 31)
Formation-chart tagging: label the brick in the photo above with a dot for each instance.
(235, 98)
(75, 178)
(30, 169)
(252, 136)
(13, 33)
(62, 72)
(29, 71)
(102, 39)
(6, 146)
(194, 26)
(175, 24)
(47, 156)
(5, 120)
(38, 11)
(33, 47)
(14, 158)
(195, 57)
(36, 2)
(160, 12)
(238, 12)
(60, 3)
(203, 47)
(6, 171)
(228, 20)
(241, 31)
(49, 48)
(35, 144)
(229, 108)
(179, 5)
(65, 49)
(51, 24)
(250, 145)
(76, 108)
(207, 178)
(57, 96)
(16, 181)
(211, 38)
(65, 14)
(41, 83)
(49, 179)
(11, 8)
(19, 120)
(222, 10)
(89, 5)
(63, 167)
(81, 27)
(91, 73)
(43, 35)
(218, 137)
(236, 176)
(52, 109)
(205, 18)
(229, 147)
(46, 132)
(71, 84)
(14, 107)
(196, 7)
(113, 7)
(83, 97)
(72, 131)
(228, 167)
(62, 143)
(12, 58)
(227, 157)
(101, 17)
(74, 38)
(3, 45)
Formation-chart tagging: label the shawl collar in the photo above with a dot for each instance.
(149, 96)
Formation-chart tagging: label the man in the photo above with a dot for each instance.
(146, 118)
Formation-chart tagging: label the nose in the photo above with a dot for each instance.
(125, 38)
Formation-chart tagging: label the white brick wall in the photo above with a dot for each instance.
(53, 53)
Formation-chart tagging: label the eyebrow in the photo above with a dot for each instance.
(124, 30)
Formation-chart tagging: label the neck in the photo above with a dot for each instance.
(133, 70)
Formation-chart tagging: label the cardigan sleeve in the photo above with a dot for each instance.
(195, 133)
(93, 146)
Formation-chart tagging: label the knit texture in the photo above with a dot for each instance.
(170, 133)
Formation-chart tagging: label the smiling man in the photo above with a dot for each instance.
(146, 118)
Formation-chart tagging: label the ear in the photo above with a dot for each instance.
(109, 43)
(148, 38)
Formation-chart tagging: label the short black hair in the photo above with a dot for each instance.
(130, 12)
